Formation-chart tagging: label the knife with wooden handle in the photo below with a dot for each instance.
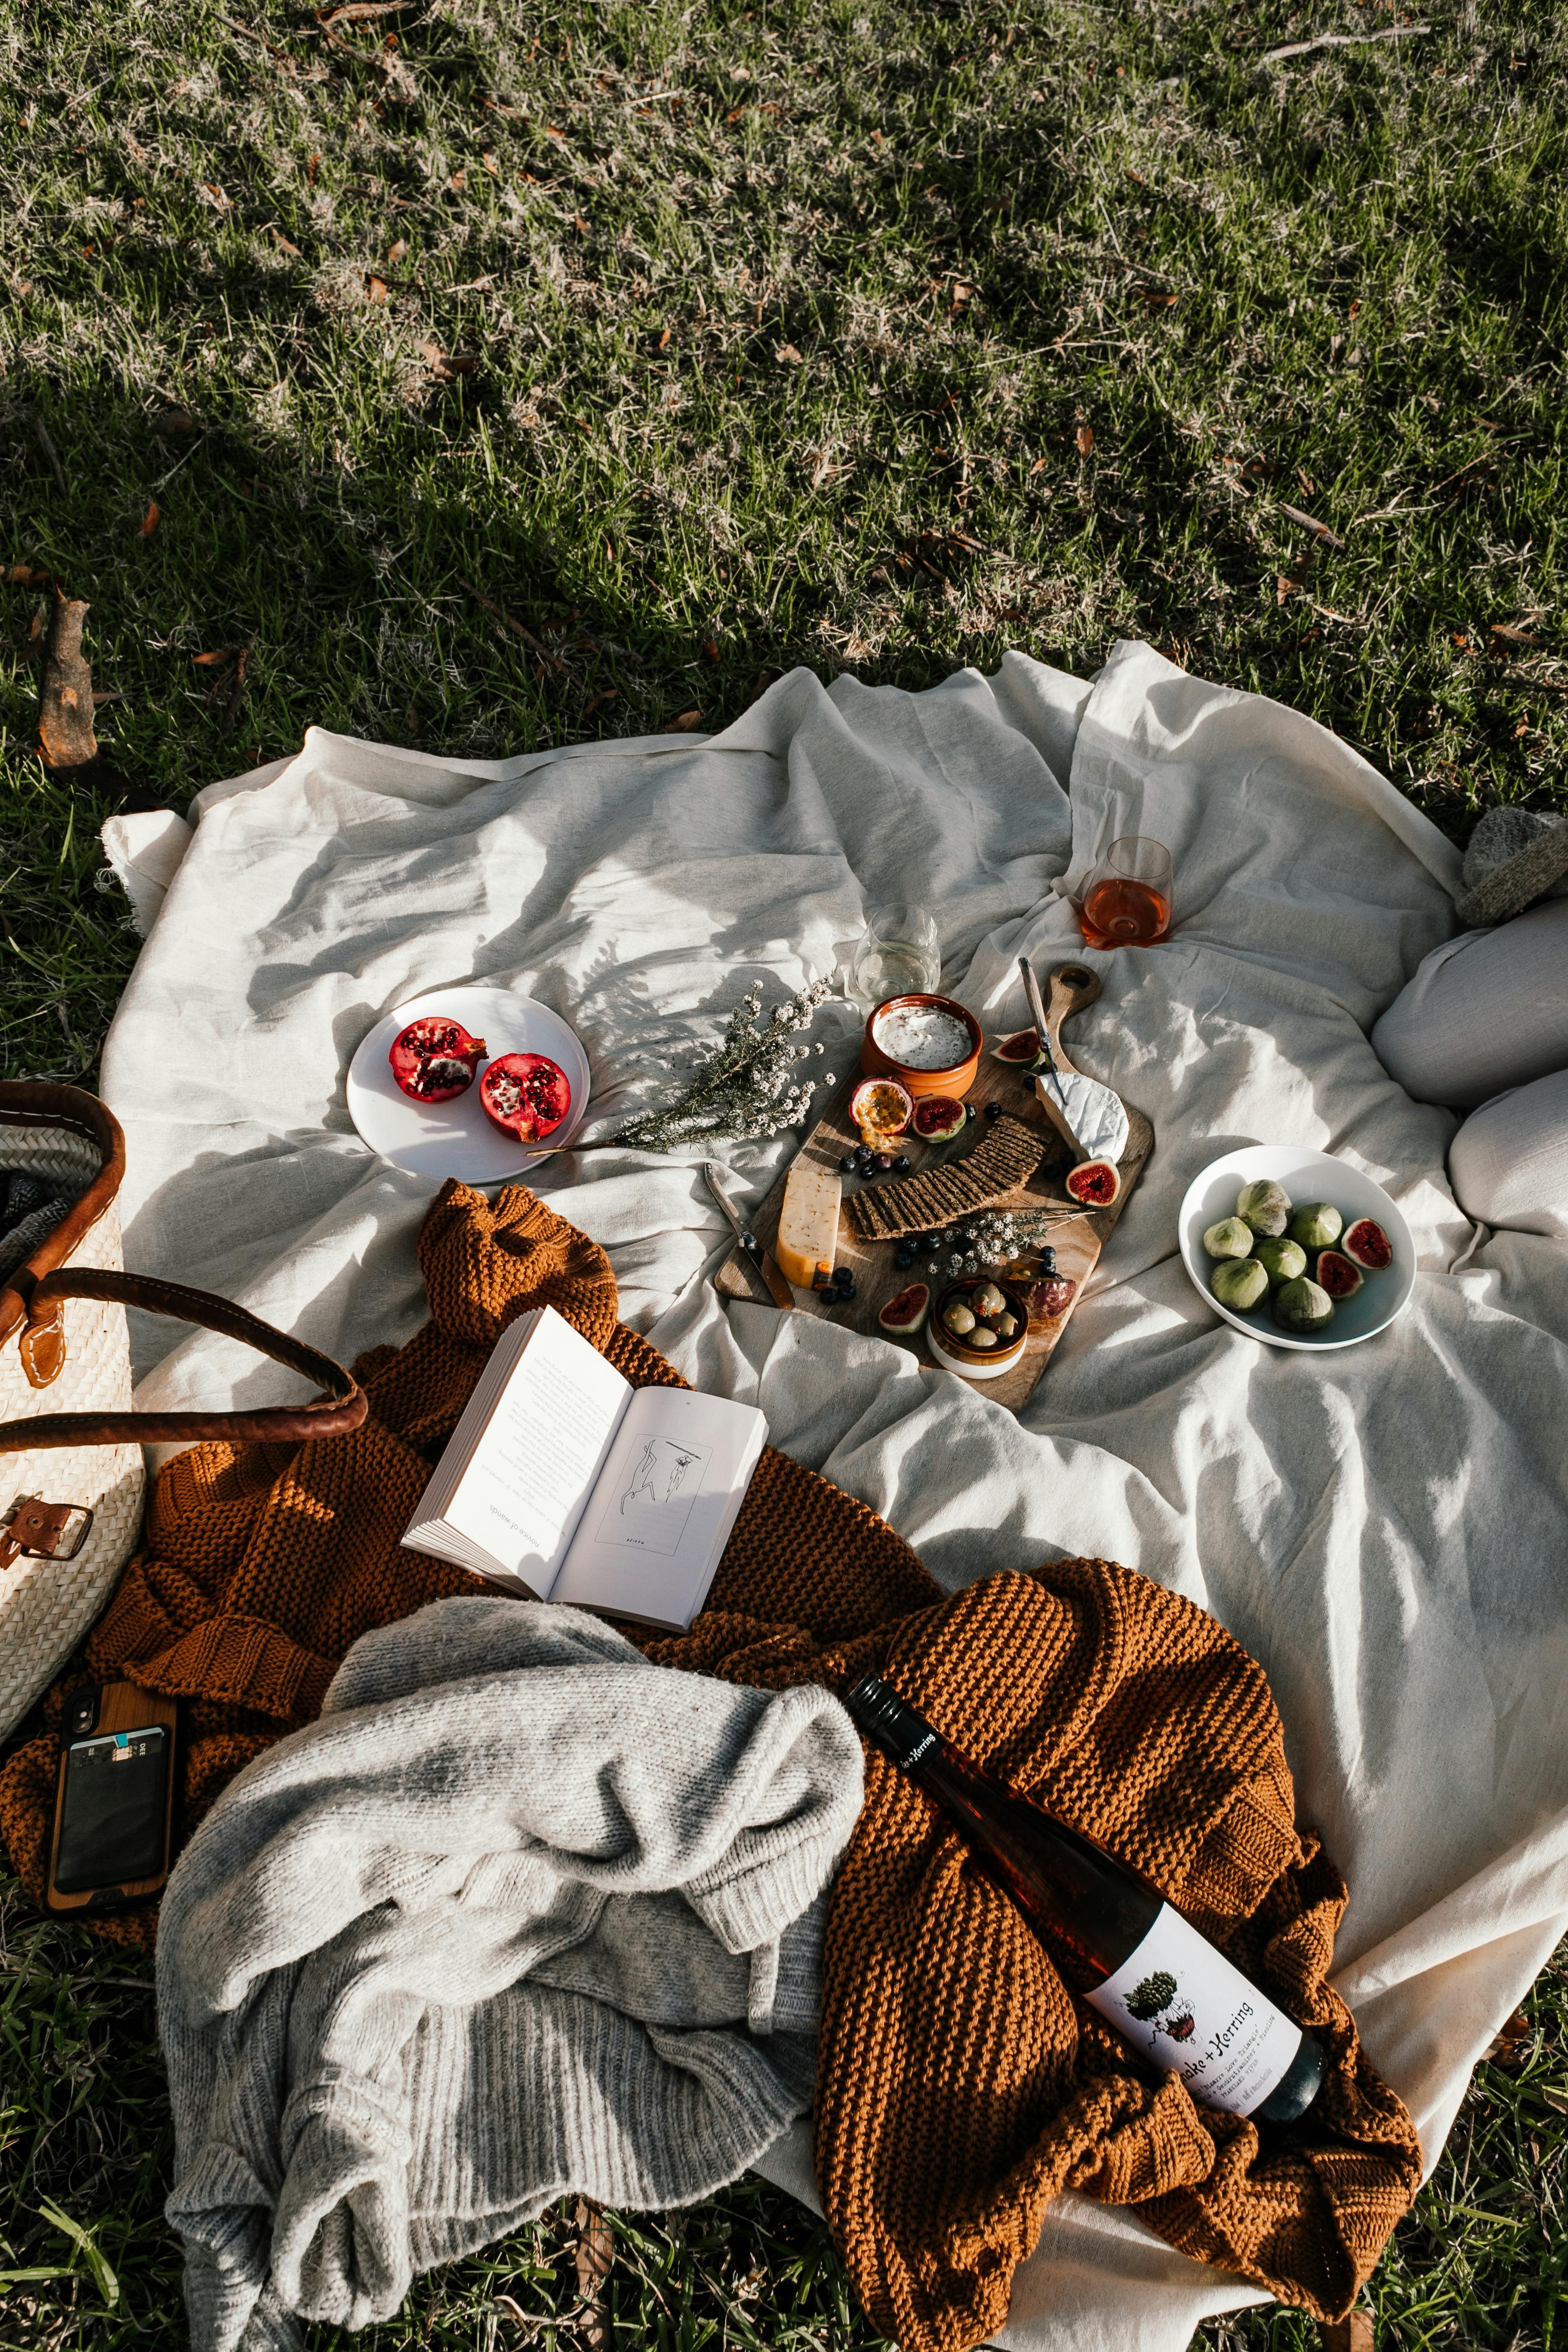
(751, 1250)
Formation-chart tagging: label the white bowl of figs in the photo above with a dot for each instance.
(1295, 1247)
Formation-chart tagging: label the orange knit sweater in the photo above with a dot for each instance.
(959, 2086)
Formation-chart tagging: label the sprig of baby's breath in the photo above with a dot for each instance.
(743, 1088)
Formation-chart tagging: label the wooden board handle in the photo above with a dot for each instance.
(1071, 988)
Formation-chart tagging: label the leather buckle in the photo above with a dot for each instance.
(34, 1530)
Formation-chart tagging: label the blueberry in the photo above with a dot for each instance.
(846, 1290)
(901, 1162)
(884, 1161)
(992, 1111)
(849, 1163)
(931, 1244)
(903, 1257)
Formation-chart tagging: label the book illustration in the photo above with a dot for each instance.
(656, 1497)
(659, 1475)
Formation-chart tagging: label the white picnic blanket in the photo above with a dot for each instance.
(1382, 1527)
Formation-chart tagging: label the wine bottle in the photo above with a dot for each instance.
(1163, 1986)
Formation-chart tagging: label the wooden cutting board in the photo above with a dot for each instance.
(1077, 1241)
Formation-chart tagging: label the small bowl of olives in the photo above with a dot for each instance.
(979, 1327)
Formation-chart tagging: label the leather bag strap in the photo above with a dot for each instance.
(342, 1407)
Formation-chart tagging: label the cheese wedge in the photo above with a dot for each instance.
(808, 1223)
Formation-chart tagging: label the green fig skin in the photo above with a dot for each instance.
(1229, 1238)
(1265, 1206)
(1282, 1261)
(1316, 1224)
(1239, 1283)
(1302, 1306)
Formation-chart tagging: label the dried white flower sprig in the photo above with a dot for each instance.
(744, 1087)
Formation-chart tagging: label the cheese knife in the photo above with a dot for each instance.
(751, 1250)
(1037, 1013)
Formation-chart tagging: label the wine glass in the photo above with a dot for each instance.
(1126, 900)
(900, 955)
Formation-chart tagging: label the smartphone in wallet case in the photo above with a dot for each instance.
(115, 1802)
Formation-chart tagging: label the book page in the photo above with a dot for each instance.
(531, 1474)
(666, 1500)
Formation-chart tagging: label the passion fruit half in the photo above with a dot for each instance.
(880, 1108)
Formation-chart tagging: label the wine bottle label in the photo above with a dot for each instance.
(1182, 2001)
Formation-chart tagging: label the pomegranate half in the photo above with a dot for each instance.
(434, 1059)
(526, 1094)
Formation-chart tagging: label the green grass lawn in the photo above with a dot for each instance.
(701, 342)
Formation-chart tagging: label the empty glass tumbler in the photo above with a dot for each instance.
(900, 955)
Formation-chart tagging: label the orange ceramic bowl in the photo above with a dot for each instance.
(957, 1081)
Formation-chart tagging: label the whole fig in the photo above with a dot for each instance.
(1303, 1305)
(1265, 1206)
(1281, 1260)
(1229, 1238)
(1316, 1224)
(1239, 1283)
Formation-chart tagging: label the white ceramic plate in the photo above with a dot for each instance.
(1306, 1176)
(457, 1137)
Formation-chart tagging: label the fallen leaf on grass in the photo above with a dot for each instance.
(312, 167)
(375, 288)
(280, 239)
(24, 575)
(1556, 2100)
(687, 721)
(1510, 2038)
(444, 365)
(1514, 637)
(210, 661)
(788, 353)
(597, 701)
(398, 248)
(710, 649)
(1085, 439)
(149, 523)
(1310, 522)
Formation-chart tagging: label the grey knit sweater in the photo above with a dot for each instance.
(521, 1914)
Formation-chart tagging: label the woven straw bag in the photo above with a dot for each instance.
(71, 1474)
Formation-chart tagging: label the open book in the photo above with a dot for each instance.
(566, 1484)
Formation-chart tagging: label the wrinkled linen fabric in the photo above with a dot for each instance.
(1508, 1163)
(1484, 1013)
(1380, 1527)
(518, 1914)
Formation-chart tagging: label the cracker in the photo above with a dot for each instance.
(916, 1204)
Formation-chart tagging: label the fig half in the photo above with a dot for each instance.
(1369, 1245)
(906, 1311)
(528, 1094)
(937, 1117)
(1022, 1049)
(1094, 1183)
